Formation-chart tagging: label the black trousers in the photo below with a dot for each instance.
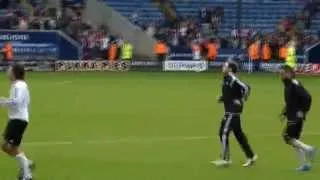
(232, 122)
(293, 129)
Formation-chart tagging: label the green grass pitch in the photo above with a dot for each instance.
(152, 126)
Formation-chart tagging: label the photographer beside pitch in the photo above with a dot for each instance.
(18, 112)
(297, 105)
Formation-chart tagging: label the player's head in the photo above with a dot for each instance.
(287, 72)
(16, 72)
(230, 66)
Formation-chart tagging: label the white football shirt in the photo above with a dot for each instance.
(18, 102)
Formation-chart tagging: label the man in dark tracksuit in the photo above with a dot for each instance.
(234, 93)
(298, 103)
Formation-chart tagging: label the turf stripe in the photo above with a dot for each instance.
(143, 140)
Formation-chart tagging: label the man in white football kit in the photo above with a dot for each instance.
(18, 112)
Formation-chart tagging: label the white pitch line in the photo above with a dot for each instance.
(63, 82)
(116, 141)
(143, 140)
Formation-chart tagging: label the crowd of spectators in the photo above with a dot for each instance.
(35, 15)
(242, 37)
(95, 40)
(185, 31)
(28, 14)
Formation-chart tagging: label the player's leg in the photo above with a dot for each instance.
(291, 135)
(309, 150)
(243, 141)
(224, 132)
(11, 145)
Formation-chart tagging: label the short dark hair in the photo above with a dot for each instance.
(18, 71)
(288, 68)
(233, 66)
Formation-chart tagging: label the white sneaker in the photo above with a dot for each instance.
(221, 163)
(250, 162)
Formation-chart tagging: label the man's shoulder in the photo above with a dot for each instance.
(295, 82)
(20, 84)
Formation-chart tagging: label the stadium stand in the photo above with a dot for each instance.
(256, 18)
(263, 16)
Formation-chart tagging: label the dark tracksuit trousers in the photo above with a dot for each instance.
(232, 122)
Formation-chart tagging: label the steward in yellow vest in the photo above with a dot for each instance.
(126, 51)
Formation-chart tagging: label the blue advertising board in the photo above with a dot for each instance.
(41, 45)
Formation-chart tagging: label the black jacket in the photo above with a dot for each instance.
(296, 97)
(234, 93)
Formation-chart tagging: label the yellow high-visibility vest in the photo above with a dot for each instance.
(291, 59)
(126, 51)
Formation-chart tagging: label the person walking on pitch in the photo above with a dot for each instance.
(234, 94)
(297, 105)
(18, 105)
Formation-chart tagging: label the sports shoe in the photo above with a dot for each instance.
(250, 161)
(304, 168)
(221, 163)
(311, 155)
(27, 178)
(32, 166)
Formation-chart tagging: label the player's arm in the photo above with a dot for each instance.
(305, 104)
(303, 94)
(283, 114)
(17, 98)
(244, 91)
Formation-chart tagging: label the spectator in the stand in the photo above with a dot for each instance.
(196, 51)
(175, 39)
(212, 50)
(183, 30)
(254, 54)
(244, 36)
(266, 51)
(23, 23)
(104, 44)
(151, 30)
(120, 41)
(282, 50)
(7, 52)
(113, 51)
(291, 59)
(92, 43)
(161, 50)
(235, 38)
(126, 51)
